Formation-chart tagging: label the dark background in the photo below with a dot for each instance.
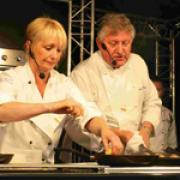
(16, 14)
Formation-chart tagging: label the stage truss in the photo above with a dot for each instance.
(83, 19)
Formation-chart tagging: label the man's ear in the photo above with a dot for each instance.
(99, 43)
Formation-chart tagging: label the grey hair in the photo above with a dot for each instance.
(113, 22)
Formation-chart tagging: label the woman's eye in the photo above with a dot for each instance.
(48, 48)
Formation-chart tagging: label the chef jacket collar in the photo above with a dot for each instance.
(106, 68)
(30, 76)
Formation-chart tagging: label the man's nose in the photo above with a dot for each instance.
(119, 47)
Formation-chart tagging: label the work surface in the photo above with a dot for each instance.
(91, 170)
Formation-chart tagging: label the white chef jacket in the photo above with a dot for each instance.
(166, 132)
(125, 95)
(33, 140)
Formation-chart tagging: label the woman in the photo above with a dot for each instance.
(37, 101)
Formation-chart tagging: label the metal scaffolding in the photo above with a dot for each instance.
(150, 28)
(80, 31)
(82, 18)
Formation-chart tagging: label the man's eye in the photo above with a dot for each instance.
(113, 43)
(126, 43)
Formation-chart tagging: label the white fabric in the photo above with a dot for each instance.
(132, 147)
(126, 95)
(40, 133)
(166, 132)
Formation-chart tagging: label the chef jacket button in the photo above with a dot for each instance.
(30, 142)
(49, 143)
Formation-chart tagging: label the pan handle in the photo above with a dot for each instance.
(145, 150)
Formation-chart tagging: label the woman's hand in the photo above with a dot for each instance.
(67, 106)
(112, 143)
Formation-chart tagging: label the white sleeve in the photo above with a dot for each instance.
(90, 108)
(152, 103)
(6, 88)
(76, 127)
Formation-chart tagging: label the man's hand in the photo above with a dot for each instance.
(146, 131)
(145, 136)
(112, 143)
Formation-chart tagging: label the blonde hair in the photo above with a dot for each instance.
(43, 27)
(113, 22)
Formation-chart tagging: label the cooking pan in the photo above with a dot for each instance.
(126, 160)
(114, 160)
(169, 158)
(168, 161)
(159, 159)
(5, 158)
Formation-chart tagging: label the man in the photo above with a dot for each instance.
(118, 82)
(166, 133)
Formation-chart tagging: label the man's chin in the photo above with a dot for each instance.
(120, 63)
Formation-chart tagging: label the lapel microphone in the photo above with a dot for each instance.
(41, 74)
(113, 62)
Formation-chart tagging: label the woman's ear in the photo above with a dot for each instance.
(27, 45)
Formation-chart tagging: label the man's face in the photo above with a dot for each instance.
(119, 46)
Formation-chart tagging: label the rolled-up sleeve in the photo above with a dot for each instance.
(76, 127)
(152, 104)
(90, 108)
(6, 88)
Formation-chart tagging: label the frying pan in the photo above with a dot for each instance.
(160, 159)
(127, 160)
(114, 160)
(5, 158)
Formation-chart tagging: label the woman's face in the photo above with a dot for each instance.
(47, 53)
